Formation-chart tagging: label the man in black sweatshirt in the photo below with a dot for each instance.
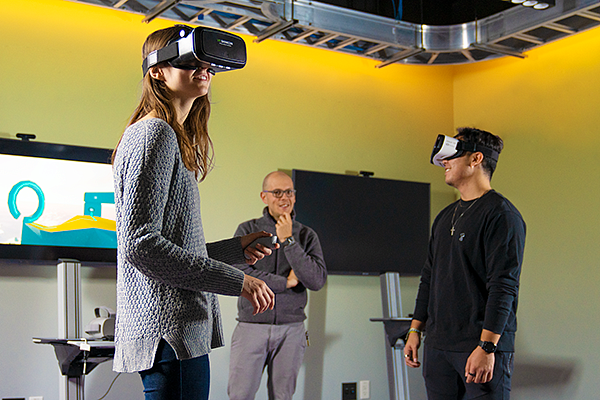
(467, 299)
(277, 338)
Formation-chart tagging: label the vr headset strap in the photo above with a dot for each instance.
(474, 148)
(156, 57)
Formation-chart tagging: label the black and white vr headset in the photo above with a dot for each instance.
(200, 48)
(447, 148)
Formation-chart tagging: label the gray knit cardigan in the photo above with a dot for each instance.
(166, 281)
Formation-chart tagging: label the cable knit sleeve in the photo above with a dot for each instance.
(228, 251)
(158, 214)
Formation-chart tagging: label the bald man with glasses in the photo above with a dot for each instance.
(276, 340)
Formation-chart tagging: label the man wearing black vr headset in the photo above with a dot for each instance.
(467, 299)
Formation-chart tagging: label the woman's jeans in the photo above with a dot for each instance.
(172, 379)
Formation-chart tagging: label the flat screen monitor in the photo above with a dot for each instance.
(56, 202)
(366, 225)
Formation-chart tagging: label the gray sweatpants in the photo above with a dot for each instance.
(279, 348)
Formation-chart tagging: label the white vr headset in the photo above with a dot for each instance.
(447, 148)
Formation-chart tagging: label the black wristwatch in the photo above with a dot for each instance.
(488, 347)
(289, 241)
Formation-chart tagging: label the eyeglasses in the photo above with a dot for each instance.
(278, 193)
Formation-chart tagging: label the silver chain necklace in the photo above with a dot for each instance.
(460, 216)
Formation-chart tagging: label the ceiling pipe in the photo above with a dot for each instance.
(159, 9)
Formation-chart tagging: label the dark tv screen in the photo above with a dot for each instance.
(56, 201)
(366, 225)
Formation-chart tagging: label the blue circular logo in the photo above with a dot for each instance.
(12, 201)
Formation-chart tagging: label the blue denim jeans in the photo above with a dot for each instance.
(172, 379)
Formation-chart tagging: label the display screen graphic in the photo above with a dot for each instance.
(47, 202)
(56, 203)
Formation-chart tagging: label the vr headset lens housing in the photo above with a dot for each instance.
(201, 48)
(448, 148)
(445, 148)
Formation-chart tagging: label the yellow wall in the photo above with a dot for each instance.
(68, 70)
(294, 107)
(71, 73)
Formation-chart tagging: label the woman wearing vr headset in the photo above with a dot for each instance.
(168, 316)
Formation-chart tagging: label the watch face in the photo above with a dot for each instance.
(488, 347)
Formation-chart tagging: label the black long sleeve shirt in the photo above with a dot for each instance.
(470, 280)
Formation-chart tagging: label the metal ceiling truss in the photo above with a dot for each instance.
(511, 32)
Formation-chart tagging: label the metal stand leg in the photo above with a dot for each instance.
(69, 320)
(392, 308)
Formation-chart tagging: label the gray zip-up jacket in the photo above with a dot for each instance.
(305, 257)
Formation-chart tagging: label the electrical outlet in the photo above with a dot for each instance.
(364, 388)
(349, 391)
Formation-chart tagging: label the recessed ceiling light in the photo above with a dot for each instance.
(541, 6)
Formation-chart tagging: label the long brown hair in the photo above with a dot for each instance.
(194, 142)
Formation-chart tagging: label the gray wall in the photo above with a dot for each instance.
(29, 298)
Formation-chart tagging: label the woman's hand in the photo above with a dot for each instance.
(258, 251)
(258, 293)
